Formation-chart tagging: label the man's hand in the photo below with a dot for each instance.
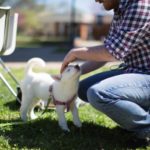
(70, 57)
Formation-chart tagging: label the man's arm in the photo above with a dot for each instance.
(91, 66)
(95, 53)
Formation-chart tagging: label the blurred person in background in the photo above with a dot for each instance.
(123, 94)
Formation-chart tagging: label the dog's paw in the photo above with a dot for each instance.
(65, 128)
(78, 124)
(24, 118)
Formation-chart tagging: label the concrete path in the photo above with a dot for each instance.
(21, 55)
(49, 65)
(24, 54)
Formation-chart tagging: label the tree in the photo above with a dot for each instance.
(20, 3)
(1, 2)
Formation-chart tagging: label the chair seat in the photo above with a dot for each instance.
(8, 30)
(5, 7)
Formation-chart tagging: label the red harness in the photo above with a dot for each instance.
(57, 102)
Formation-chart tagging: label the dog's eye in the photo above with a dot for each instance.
(68, 70)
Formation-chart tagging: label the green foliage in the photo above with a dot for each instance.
(1, 2)
(98, 131)
(36, 41)
(31, 20)
(29, 24)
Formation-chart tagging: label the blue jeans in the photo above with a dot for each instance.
(124, 97)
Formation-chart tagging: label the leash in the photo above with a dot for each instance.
(46, 108)
(49, 100)
(14, 123)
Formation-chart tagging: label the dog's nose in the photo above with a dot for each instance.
(77, 67)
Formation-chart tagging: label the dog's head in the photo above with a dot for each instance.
(72, 72)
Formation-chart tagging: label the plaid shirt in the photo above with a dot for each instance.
(129, 36)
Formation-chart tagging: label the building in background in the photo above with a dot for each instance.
(45, 18)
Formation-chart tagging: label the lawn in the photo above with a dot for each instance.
(36, 41)
(98, 131)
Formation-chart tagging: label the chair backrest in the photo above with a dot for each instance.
(8, 30)
(2, 28)
(10, 42)
(4, 11)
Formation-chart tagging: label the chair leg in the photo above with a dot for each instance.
(8, 71)
(9, 87)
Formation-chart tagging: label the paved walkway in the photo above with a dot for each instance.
(21, 55)
(49, 65)
(24, 54)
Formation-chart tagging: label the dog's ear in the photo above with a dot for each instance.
(56, 77)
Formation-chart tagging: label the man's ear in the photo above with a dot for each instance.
(56, 77)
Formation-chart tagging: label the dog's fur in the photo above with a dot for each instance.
(36, 86)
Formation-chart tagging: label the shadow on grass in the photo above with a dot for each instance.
(45, 134)
(15, 106)
(12, 105)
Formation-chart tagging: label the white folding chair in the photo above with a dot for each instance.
(8, 31)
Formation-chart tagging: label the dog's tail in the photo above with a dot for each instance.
(34, 62)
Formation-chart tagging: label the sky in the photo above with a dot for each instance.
(85, 6)
(82, 6)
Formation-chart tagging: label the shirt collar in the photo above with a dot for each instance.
(123, 4)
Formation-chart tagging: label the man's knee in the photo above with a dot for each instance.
(91, 94)
(96, 95)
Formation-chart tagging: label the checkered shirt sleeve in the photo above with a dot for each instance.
(129, 36)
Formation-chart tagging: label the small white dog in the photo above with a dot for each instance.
(36, 86)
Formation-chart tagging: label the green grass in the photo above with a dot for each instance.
(38, 41)
(98, 131)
